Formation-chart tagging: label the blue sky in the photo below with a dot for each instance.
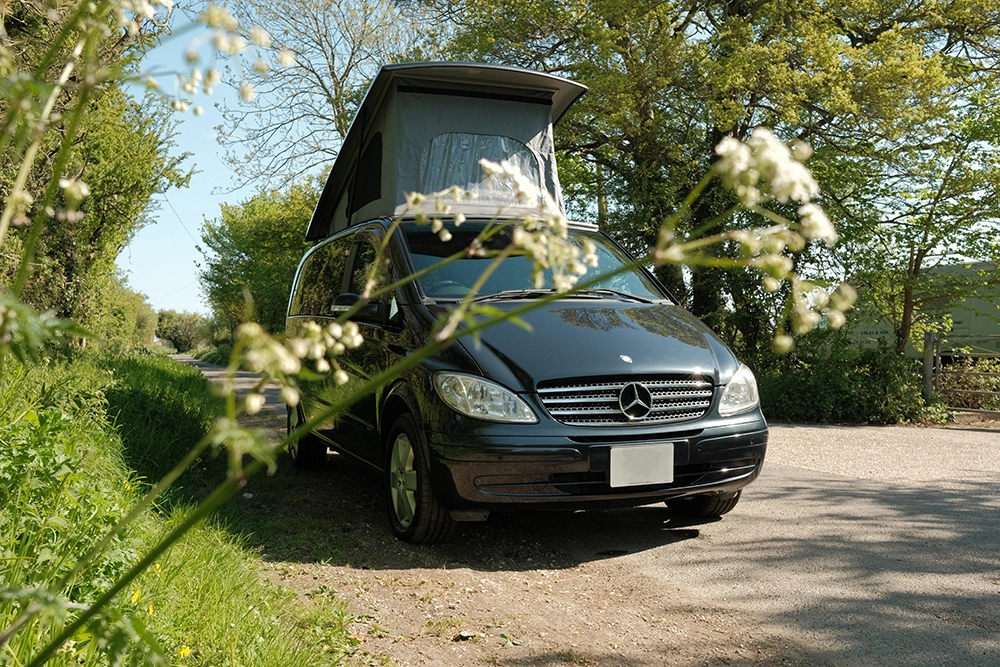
(161, 260)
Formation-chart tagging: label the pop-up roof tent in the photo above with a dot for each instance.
(423, 127)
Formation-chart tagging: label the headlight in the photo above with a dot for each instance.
(481, 399)
(740, 394)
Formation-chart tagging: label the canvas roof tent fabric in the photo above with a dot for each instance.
(423, 127)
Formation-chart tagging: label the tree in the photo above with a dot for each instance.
(923, 206)
(94, 158)
(125, 317)
(184, 331)
(299, 98)
(859, 81)
(254, 248)
(122, 154)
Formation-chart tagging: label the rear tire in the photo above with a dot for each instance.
(309, 452)
(704, 506)
(414, 513)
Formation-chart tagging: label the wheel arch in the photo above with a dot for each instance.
(399, 400)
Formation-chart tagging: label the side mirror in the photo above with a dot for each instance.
(374, 312)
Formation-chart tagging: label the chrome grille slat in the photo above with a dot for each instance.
(586, 402)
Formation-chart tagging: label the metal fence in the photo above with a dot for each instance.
(948, 361)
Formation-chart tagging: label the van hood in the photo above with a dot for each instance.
(580, 338)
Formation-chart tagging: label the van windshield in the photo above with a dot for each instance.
(513, 276)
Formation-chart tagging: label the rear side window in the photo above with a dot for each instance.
(321, 279)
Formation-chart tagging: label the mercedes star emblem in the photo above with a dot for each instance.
(635, 401)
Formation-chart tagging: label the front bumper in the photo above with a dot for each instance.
(572, 472)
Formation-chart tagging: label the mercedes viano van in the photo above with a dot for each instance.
(614, 396)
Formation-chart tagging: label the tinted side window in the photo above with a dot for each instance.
(321, 279)
(362, 266)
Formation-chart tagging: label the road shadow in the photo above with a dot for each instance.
(889, 572)
(337, 516)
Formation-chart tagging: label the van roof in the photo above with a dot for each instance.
(474, 98)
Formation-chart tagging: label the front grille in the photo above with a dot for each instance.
(595, 402)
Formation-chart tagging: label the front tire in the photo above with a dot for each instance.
(309, 452)
(414, 513)
(704, 506)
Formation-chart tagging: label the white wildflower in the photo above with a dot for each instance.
(253, 403)
(777, 266)
(844, 297)
(735, 157)
(260, 37)
(748, 240)
(212, 79)
(298, 346)
(835, 318)
(815, 224)
(805, 317)
(290, 395)
(590, 253)
(763, 157)
(286, 58)
(341, 377)
(783, 344)
(217, 17)
(789, 179)
(247, 92)
(74, 191)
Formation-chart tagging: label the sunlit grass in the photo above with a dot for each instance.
(69, 433)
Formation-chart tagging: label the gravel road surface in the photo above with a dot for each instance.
(857, 546)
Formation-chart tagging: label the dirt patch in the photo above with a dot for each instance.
(975, 420)
(593, 614)
(528, 588)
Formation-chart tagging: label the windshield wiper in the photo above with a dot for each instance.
(601, 291)
(514, 294)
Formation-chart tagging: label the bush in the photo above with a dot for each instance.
(989, 380)
(829, 379)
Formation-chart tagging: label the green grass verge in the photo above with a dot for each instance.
(216, 354)
(76, 440)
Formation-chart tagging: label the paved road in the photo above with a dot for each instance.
(874, 546)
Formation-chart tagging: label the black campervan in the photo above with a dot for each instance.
(613, 396)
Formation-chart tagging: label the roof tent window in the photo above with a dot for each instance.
(368, 180)
(453, 159)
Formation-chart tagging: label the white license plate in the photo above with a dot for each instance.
(642, 464)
